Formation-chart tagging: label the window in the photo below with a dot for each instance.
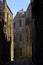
(14, 25)
(20, 51)
(20, 22)
(20, 37)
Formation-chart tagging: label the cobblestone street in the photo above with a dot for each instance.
(20, 62)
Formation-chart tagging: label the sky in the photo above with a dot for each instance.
(17, 5)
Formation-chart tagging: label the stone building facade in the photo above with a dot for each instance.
(23, 34)
(7, 16)
(29, 30)
(19, 36)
